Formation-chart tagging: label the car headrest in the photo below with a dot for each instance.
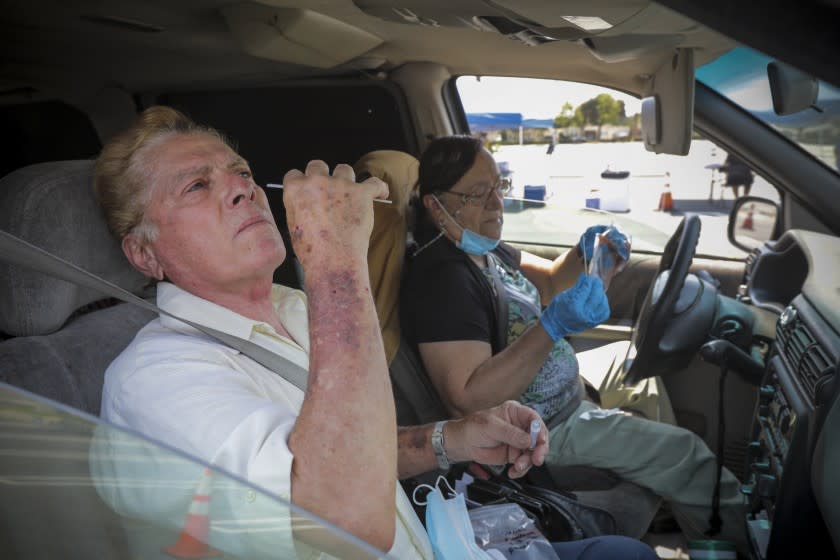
(52, 206)
(388, 238)
(396, 168)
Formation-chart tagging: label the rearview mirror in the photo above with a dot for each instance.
(792, 90)
(650, 122)
(672, 88)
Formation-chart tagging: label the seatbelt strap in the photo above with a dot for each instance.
(500, 303)
(411, 380)
(17, 251)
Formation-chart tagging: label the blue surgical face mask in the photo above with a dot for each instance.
(475, 243)
(448, 523)
(471, 242)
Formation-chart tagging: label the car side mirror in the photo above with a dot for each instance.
(792, 90)
(753, 221)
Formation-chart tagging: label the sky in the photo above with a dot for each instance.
(741, 75)
(535, 99)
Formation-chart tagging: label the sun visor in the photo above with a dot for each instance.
(672, 88)
(621, 48)
(298, 36)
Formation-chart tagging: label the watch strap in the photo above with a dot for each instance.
(438, 446)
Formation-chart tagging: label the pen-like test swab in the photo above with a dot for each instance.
(536, 426)
(278, 186)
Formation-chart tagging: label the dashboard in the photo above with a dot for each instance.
(793, 466)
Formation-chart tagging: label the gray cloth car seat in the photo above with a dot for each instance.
(62, 336)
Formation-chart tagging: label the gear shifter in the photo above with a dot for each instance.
(724, 353)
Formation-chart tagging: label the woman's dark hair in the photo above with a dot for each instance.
(442, 165)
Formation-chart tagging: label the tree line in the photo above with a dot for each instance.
(600, 110)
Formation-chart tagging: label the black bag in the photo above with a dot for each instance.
(560, 516)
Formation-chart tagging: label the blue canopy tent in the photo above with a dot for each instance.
(537, 123)
(485, 122)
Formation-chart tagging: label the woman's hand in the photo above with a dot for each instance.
(498, 436)
(581, 307)
(619, 242)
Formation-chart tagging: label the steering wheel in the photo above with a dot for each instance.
(667, 334)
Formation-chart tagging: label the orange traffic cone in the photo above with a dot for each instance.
(192, 542)
(666, 201)
(748, 221)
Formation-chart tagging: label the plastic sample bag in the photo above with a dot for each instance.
(507, 529)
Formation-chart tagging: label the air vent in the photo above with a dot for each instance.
(803, 354)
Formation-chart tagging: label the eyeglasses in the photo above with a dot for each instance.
(480, 198)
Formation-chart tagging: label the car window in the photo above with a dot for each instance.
(575, 157)
(741, 76)
(76, 487)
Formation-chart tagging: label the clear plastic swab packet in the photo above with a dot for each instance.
(606, 261)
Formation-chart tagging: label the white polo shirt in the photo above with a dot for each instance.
(177, 385)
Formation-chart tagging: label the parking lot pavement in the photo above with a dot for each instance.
(572, 174)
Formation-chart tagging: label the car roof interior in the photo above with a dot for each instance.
(156, 44)
(187, 44)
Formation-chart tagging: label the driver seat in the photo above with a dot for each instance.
(417, 402)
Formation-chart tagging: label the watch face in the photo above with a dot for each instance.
(787, 316)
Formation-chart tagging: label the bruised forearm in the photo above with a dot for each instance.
(414, 450)
(346, 430)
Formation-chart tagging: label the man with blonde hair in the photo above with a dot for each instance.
(190, 216)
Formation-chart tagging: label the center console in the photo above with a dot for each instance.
(782, 511)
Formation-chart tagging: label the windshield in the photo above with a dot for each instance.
(72, 486)
(574, 156)
(741, 76)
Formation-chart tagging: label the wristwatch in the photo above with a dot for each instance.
(438, 446)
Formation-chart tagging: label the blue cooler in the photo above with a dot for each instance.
(534, 192)
(593, 199)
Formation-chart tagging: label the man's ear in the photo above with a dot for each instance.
(142, 255)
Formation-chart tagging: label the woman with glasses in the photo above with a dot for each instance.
(490, 321)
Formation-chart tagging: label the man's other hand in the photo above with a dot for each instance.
(498, 436)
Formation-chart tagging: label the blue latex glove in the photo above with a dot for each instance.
(581, 307)
(616, 238)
